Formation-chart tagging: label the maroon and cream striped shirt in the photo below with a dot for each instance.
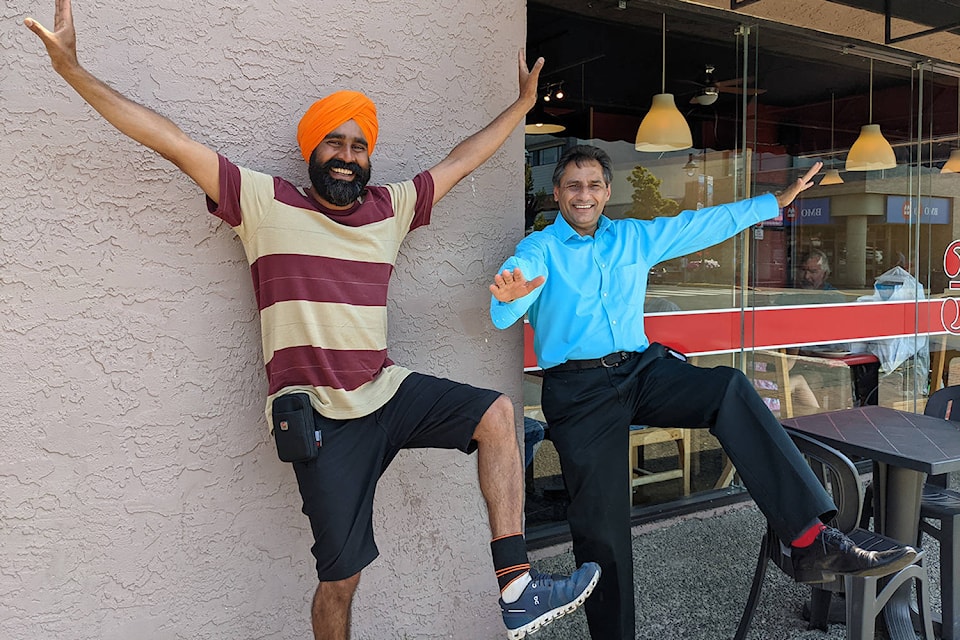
(320, 277)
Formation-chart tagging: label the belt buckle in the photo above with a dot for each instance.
(618, 355)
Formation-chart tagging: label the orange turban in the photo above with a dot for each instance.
(327, 114)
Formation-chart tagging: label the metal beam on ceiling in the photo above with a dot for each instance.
(888, 15)
(889, 39)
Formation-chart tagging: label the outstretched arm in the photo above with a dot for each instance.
(475, 150)
(134, 120)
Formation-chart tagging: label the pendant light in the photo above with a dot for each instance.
(539, 121)
(663, 128)
(832, 176)
(953, 163)
(871, 151)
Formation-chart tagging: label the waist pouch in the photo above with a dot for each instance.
(294, 428)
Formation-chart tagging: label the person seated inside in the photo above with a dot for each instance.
(814, 270)
(813, 273)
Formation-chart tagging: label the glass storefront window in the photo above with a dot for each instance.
(848, 297)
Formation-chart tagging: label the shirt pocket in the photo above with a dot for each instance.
(629, 284)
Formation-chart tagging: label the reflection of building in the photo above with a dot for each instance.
(868, 233)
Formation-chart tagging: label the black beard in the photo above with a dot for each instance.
(339, 193)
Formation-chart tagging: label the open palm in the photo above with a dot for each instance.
(61, 43)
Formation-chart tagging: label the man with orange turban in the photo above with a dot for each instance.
(321, 260)
(323, 117)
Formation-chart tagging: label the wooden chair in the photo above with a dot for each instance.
(640, 437)
(940, 357)
(769, 371)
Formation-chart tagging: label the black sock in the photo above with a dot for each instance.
(509, 558)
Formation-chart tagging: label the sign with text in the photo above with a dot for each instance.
(808, 211)
(903, 210)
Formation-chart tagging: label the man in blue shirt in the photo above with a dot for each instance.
(585, 303)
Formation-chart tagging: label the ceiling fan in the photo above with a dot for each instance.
(710, 88)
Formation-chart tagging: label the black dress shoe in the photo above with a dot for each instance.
(832, 552)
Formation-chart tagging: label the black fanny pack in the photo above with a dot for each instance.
(294, 428)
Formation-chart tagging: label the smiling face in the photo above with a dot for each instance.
(581, 194)
(340, 166)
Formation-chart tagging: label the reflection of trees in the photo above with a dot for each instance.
(534, 203)
(530, 200)
(648, 203)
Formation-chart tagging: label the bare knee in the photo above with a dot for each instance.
(498, 422)
(338, 592)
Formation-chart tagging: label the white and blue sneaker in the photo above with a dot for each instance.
(547, 598)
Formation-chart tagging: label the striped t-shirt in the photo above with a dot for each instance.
(320, 277)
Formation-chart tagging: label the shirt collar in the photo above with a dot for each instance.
(562, 229)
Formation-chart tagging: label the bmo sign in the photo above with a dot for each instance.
(923, 210)
(809, 211)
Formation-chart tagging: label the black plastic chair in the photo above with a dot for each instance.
(864, 596)
(942, 505)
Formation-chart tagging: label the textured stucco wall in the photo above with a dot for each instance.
(141, 497)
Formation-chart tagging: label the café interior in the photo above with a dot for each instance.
(845, 299)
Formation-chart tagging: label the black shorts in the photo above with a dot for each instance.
(338, 486)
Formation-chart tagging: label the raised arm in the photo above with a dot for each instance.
(477, 149)
(134, 120)
(789, 194)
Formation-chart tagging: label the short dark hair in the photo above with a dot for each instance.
(581, 154)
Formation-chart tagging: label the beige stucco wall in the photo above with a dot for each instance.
(141, 496)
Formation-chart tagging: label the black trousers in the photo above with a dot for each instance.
(589, 412)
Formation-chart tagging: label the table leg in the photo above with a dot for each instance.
(899, 491)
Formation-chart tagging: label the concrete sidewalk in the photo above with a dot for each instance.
(692, 578)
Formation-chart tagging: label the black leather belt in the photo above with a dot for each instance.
(614, 359)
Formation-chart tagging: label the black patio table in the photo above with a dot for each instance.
(904, 447)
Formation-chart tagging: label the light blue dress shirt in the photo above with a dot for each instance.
(592, 301)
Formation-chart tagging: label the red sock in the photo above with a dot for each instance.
(807, 537)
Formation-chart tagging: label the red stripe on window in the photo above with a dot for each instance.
(282, 277)
(725, 330)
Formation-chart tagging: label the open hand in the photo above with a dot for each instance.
(61, 43)
(802, 184)
(529, 78)
(510, 285)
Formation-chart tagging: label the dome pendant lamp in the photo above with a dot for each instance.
(539, 121)
(832, 176)
(663, 128)
(871, 151)
(953, 163)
